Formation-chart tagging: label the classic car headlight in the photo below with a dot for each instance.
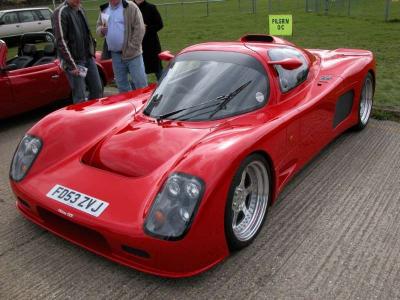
(27, 151)
(174, 207)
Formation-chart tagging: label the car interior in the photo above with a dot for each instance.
(31, 56)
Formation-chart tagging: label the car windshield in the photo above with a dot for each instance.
(209, 85)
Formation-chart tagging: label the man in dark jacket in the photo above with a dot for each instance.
(76, 49)
(151, 43)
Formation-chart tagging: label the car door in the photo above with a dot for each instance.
(9, 25)
(44, 16)
(292, 86)
(7, 104)
(29, 21)
(38, 85)
(6, 96)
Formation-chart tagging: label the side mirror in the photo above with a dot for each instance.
(166, 55)
(2, 22)
(288, 63)
(9, 67)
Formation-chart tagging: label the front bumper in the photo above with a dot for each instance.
(126, 244)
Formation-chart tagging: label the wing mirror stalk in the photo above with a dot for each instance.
(166, 55)
(288, 63)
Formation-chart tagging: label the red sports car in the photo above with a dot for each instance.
(170, 179)
(34, 78)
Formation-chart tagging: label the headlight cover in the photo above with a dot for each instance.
(26, 153)
(174, 208)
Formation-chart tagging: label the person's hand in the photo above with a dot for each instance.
(75, 72)
(104, 30)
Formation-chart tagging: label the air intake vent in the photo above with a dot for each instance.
(260, 38)
(135, 251)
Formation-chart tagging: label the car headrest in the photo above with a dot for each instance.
(29, 49)
(49, 49)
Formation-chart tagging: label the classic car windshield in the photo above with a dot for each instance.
(209, 85)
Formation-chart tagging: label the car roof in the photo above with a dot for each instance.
(241, 45)
(253, 45)
(22, 9)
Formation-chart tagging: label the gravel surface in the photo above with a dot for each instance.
(333, 234)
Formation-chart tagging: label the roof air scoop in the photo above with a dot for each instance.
(257, 38)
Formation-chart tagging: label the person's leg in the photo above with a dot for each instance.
(136, 69)
(78, 86)
(93, 80)
(120, 72)
(159, 74)
(159, 71)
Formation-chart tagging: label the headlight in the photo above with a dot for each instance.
(27, 151)
(174, 207)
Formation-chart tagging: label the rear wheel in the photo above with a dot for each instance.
(247, 203)
(366, 101)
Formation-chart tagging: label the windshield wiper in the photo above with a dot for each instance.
(209, 102)
(227, 98)
(221, 101)
(153, 102)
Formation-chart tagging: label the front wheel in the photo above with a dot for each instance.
(247, 202)
(366, 101)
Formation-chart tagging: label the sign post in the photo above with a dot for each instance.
(280, 24)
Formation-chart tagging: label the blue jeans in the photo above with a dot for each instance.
(92, 80)
(134, 67)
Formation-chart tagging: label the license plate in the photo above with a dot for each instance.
(77, 200)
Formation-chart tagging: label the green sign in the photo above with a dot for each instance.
(280, 24)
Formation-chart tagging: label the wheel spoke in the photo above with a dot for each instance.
(250, 189)
(234, 219)
(246, 212)
(243, 179)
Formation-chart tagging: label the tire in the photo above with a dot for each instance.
(49, 38)
(248, 198)
(366, 102)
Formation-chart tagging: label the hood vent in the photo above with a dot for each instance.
(260, 38)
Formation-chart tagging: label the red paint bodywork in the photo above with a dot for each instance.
(137, 154)
(28, 88)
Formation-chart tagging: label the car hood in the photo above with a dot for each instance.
(141, 147)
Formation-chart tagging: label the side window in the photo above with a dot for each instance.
(38, 14)
(10, 18)
(44, 14)
(27, 16)
(289, 79)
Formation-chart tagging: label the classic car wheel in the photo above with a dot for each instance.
(366, 101)
(247, 202)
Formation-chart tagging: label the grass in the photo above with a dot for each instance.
(364, 28)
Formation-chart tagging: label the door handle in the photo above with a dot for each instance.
(17, 26)
(56, 76)
(39, 23)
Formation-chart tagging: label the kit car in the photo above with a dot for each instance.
(34, 77)
(171, 178)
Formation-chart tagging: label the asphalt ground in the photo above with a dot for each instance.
(333, 234)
